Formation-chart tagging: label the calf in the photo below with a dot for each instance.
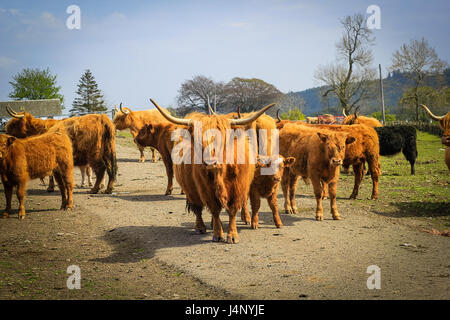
(319, 154)
(400, 138)
(266, 185)
(36, 157)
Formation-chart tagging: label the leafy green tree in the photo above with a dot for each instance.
(293, 114)
(35, 84)
(90, 99)
(417, 60)
(388, 116)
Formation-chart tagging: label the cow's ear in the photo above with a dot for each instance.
(149, 129)
(10, 141)
(263, 162)
(350, 140)
(289, 161)
(324, 137)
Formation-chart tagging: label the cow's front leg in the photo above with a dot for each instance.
(255, 201)
(51, 184)
(332, 192)
(142, 157)
(285, 189)
(21, 192)
(245, 214)
(317, 186)
(8, 195)
(153, 154)
(218, 234)
(273, 204)
(292, 186)
(232, 235)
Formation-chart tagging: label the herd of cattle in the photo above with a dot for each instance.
(35, 148)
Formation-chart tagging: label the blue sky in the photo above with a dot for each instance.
(142, 49)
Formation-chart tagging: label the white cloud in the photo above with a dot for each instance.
(6, 62)
(48, 18)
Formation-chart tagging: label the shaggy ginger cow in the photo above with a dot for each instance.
(319, 155)
(444, 123)
(92, 136)
(36, 157)
(355, 119)
(23, 125)
(364, 149)
(125, 118)
(214, 184)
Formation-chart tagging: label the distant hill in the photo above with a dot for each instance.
(394, 85)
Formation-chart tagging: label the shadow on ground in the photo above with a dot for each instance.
(418, 209)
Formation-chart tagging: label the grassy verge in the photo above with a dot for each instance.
(423, 195)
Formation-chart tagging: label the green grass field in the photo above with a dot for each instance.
(424, 195)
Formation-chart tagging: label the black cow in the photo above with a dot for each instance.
(394, 139)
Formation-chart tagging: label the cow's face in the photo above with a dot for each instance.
(334, 146)
(145, 135)
(124, 120)
(279, 164)
(18, 127)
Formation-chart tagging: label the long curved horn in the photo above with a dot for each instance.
(115, 108)
(251, 118)
(13, 113)
(432, 116)
(356, 111)
(183, 122)
(343, 112)
(278, 115)
(211, 111)
(123, 110)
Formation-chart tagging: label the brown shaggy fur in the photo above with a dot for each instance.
(368, 121)
(159, 136)
(318, 154)
(94, 144)
(93, 141)
(30, 126)
(364, 149)
(36, 157)
(134, 121)
(215, 186)
(266, 186)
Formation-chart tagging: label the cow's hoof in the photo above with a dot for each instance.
(319, 218)
(182, 192)
(5, 215)
(168, 192)
(254, 226)
(374, 198)
(217, 239)
(233, 239)
(21, 216)
(200, 231)
(337, 217)
(108, 191)
(50, 189)
(352, 197)
(279, 225)
(93, 191)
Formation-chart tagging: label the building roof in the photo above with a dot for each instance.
(38, 108)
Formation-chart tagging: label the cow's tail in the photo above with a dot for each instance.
(109, 150)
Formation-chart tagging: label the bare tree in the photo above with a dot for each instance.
(201, 91)
(250, 94)
(417, 60)
(350, 77)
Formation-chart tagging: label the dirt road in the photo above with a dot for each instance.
(139, 244)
